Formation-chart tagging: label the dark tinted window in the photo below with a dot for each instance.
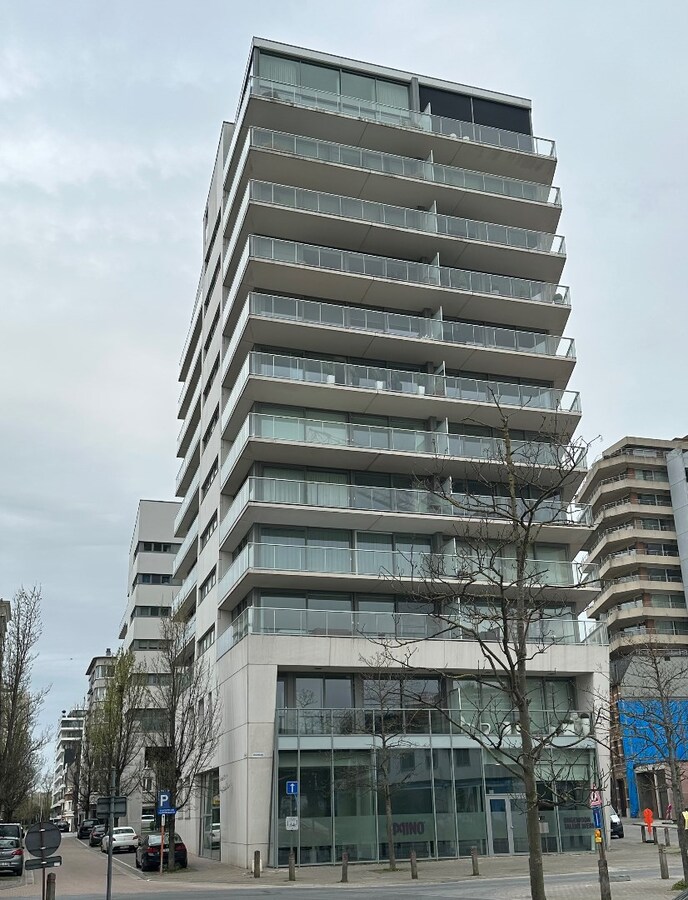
(445, 103)
(501, 115)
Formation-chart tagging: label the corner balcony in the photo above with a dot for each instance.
(293, 440)
(311, 325)
(343, 568)
(622, 589)
(365, 226)
(636, 611)
(271, 378)
(274, 501)
(389, 178)
(189, 464)
(188, 547)
(393, 626)
(188, 428)
(623, 561)
(189, 508)
(186, 597)
(616, 486)
(349, 120)
(611, 539)
(280, 266)
(633, 639)
(626, 507)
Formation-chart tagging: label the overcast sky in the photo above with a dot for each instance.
(109, 121)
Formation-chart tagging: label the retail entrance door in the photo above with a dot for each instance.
(507, 823)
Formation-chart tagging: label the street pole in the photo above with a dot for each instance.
(162, 839)
(602, 868)
(111, 827)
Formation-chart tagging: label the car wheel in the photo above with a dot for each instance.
(184, 864)
(136, 861)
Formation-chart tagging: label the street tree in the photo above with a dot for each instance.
(21, 742)
(183, 721)
(493, 583)
(653, 718)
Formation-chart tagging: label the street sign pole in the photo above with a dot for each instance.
(162, 839)
(111, 827)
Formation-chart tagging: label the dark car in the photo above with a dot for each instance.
(615, 824)
(96, 835)
(87, 827)
(63, 825)
(11, 855)
(148, 852)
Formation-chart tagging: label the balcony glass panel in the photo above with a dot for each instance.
(390, 164)
(405, 271)
(402, 217)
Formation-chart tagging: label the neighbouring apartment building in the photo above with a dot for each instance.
(380, 262)
(68, 748)
(638, 491)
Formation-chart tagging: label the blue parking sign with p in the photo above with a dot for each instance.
(164, 806)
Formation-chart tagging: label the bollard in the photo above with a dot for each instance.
(474, 860)
(663, 864)
(643, 834)
(414, 866)
(345, 868)
(256, 864)
(667, 839)
(50, 893)
(292, 866)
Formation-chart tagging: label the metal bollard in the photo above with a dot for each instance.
(256, 864)
(663, 863)
(292, 866)
(414, 866)
(345, 868)
(474, 860)
(50, 892)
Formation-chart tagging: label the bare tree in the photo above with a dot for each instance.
(653, 719)
(114, 734)
(20, 742)
(489, 585)
(184, 721)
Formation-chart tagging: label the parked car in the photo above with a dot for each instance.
(87, 827)
(11, 855)
(147, 822)
(615, 823)
(11, 829)
(96, 835)
(123, 838)
(148, 852)
(63, 825)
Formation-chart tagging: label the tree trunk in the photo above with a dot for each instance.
(677, 792)
(171, 822)
(390, 828)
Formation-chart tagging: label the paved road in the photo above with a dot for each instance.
(82, 877)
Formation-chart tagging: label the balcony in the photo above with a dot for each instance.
(631, 558)
(610, 538)
(390, 178)
(188, 544)
(370, 508)
(188, 425)
(192, 458)
(379, 448)
(394, 626)
(271, 378)
(616, 591)
(359, 569)
(312, 112)
(622, 509)
(186, 591)
(281, 266)
(271, 319)
(189, 508)
(365, 226)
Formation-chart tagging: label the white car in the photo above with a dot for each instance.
(124, 838)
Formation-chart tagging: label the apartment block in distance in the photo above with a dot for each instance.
(68, 747)
(638, 491)
(380, 260)
(150, 589)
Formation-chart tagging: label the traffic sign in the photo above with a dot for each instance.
(42, 839)
(46, 863)
(291, 823)
(595, 797)
(292, 788)
(597, 816)
(164, 806)
(103, 807)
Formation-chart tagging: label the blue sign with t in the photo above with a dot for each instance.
(292, 787)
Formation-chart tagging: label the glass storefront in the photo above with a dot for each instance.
(443, 802)
(210, 814)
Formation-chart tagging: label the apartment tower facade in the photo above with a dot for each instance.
(380, 263)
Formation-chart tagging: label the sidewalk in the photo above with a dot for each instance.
(628, 854)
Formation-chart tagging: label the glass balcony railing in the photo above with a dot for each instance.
(426, 567)
(193, 446)
(191, 495)
(390, 164)
(404, 271)
(402, 217)
(188, 585)
(397, 500)
(399, 381)
(392, 625)
(189, 630)
(383, 114)
(191, 536)
(187, 421)
(401, 325)
(322, 432)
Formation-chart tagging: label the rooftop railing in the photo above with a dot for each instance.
(403, 217)
(391, 164)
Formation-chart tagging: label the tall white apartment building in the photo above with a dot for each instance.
(67, 750)
(380, 260)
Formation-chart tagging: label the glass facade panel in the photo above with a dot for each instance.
(210, 815)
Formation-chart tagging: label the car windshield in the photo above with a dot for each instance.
(154, 839)
(8, 843)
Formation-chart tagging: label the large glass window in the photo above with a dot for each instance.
(210, 815)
